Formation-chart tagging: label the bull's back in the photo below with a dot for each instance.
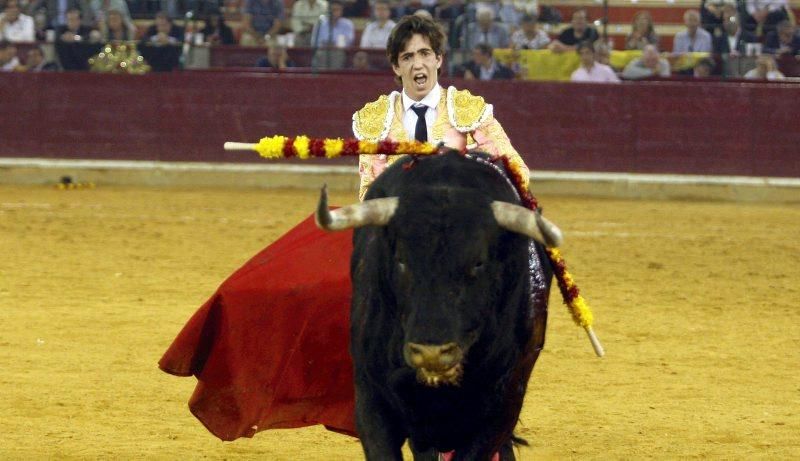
(449, 170)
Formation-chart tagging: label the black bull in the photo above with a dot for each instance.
(448, 315)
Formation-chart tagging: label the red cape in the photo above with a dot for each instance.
(270, 349)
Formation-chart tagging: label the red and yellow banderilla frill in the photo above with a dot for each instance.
(303, 147)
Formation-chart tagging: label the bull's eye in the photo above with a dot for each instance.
(477, 269)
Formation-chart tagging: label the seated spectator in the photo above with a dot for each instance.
(277, 57)
(376, 34)
(305, 14)
(8, 57)
(579, 31)
(55, 11)
(423, 13)
(484, 67)
(529, 36)
(341, 35)
(259, 19)
(783, 40)
(602, 53)
(649, 65)
(703, 68)
(16, 27)
(734, 40)
(357, 8)
(694, 38)
(361, 61)
(40, 27)
(764, 15)
(35, 62)
(485, 30)
(765, 69)
(216, 32)
(511, 12)
(100, 9)
(590, 70)
(163, 32)
(402, 8)
(642, 32)
(713, 13)
(114, 29)
(449, 10)
(73, 30)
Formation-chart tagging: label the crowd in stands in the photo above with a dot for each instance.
(760, 29)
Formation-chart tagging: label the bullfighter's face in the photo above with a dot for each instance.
(418, 66)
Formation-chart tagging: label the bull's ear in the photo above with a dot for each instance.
(526, 222)
(375, 212)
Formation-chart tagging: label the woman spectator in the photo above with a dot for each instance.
(642, 32)
(765, 69)
(277, 58)
(114, 28)
(216, 32)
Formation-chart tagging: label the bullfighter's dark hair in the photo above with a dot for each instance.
(406, 28)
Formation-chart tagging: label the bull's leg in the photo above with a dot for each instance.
(379, 430)
(507, 452)
(496, 431)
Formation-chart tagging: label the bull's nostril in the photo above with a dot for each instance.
(415, 355)
(430, 356)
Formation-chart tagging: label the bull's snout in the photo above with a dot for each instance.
(436, 364)
(433, 357)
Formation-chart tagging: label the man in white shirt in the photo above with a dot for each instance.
(377, 32)
(306, 13)
(591, 70)
(694, 38)
(649, 65)
(15, 26)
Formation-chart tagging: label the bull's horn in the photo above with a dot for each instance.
(526, 222)
(375, 212)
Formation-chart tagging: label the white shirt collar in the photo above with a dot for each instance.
(431, 99)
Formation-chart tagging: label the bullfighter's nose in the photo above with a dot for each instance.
(434, 357)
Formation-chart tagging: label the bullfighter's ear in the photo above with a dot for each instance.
(375, 212)
(526, 222)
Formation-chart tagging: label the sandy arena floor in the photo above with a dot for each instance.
(696, 303)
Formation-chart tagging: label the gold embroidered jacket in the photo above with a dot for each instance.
(459, 109)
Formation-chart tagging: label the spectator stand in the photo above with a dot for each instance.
(667, 15)
(544, 65)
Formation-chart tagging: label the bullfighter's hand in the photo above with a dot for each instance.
(454, 139)
(378, 165)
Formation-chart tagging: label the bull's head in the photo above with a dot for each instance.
(446, 269)
(378, 212)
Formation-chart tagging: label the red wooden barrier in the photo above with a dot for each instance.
(715, 128)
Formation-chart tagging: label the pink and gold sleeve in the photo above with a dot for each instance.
(491, 138)
(370, 167)
(366, 173)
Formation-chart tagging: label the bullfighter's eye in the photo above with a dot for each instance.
(476, 269)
